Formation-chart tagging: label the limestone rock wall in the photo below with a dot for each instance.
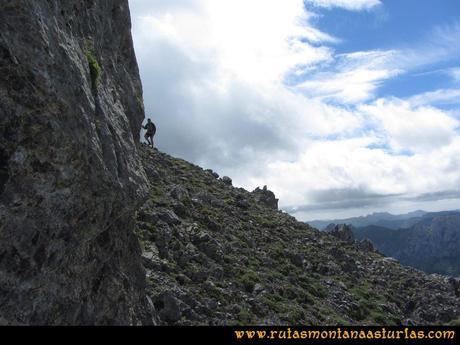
(70, 176)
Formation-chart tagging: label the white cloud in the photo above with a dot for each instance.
(411, 128)
(224, 82)
(241, 42)
(455, 73)
(371, 169)
(352, 5)
(441, 44)
(214, 82)
(441, 96)
(360, 173)
(356, 77)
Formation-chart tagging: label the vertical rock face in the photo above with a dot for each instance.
(70, 175)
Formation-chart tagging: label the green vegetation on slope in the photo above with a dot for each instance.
(215, 255)
(94, 68)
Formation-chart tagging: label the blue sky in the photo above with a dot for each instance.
(395, 24)
(341, 107)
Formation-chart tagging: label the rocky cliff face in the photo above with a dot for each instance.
(70, 175)
(220, 255)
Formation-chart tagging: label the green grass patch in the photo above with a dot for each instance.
(248, 280)
(244, 317)
(94, 68)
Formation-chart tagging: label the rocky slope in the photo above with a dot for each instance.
(70, 175)
(431, 245)
(216, 254)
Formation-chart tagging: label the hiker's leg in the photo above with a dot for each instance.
(147, 137)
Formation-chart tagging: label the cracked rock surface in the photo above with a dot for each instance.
(70, 174)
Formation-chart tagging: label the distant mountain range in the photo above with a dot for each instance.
(431, 243)
(383, 219)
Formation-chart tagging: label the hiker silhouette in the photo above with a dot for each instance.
(151, 130)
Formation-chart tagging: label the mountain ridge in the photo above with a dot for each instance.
(431, 244)
(384, 219)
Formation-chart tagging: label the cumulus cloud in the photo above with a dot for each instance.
(255, 41)
(222, 83)
(349, 174)
(411, 128)
(253, 90)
